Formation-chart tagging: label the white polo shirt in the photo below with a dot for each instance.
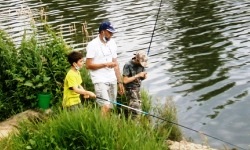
(102, 53)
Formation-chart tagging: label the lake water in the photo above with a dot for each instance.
(199, 56)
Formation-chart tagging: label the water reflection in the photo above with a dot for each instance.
(201, 63)
(197, 58)
(17, 20)
(198, 62)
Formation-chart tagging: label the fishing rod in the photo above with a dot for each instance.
(146, 113)
(154, 27)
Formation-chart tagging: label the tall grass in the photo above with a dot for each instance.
(84, 129)
(168, 112)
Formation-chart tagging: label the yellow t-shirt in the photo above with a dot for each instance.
(73, 78)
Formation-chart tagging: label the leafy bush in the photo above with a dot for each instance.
(29, 69)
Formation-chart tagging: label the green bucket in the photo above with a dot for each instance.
(44, 100)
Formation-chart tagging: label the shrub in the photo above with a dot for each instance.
(29, 69)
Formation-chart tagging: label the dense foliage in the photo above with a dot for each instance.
(29, 69)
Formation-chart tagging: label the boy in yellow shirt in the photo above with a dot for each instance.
(72, 83)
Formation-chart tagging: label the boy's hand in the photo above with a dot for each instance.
(142, 75)
(86, 96)
(89, 94)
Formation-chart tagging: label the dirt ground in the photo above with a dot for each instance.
(8, 126)
(184, 145)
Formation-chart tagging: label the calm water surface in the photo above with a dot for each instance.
(199, 57)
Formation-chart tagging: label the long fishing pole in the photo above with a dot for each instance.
(154, 27)
(146, 113)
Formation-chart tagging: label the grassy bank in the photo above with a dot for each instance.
(88, 129)
(84, 129)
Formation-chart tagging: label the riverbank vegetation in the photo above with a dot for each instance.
(29, 69)
(40, 65)
(84, 129)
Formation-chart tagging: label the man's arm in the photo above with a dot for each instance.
(118, 76)
(93, 66)
(117, 70)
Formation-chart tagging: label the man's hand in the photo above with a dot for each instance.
(121, 90)
(110, 64)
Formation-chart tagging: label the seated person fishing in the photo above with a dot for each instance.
(133, 74)
(72, 83)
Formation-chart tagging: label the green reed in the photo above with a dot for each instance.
(168, 112)
(83, 129)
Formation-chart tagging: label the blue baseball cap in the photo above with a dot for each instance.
(106, 26)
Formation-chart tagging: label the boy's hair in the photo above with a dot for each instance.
(74, 56)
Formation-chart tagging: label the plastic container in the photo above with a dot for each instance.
(44, 100)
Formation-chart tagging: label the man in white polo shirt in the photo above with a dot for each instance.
(101, 60)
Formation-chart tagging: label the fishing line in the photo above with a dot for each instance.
(154, 27)
(146, 113)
